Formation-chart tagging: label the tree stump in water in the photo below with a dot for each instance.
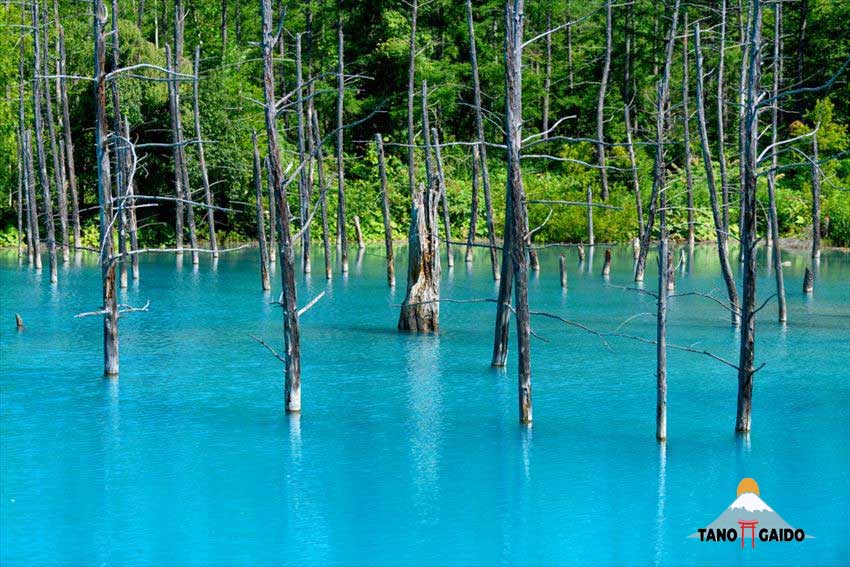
(606, 267)
(563, 264)
(360, 244)
(533, 260)
(636, 248)
(580, 253)
(420, 311)
(19, 322)
(808, 281)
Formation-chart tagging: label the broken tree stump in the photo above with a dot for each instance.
(808, 281)
(606, 267)
(19, 322)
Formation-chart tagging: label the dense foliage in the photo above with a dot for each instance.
(377, 35)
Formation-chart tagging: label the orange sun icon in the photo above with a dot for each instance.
(748, 485)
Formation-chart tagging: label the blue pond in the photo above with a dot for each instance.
(408, 449)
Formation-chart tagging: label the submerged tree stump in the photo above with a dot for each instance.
(420, 311)
(19, 322)
(606, 267)
(563, 265)
(808, 281)
(580, 253)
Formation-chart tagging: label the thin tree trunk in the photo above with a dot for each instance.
(591, 238)
(179, 17)
(131, 205)
(120, 153)
(340, 166)
(659, 166)
(261, 217)
(661, 324)
(815, 199)
(547, 80)
(686, 134)
(600, 104)
(71, 173)
(33, 237)
(38, 95)
(56, 156)
(202, 162)
(801, 49)
(771, 176)
(473, 213)
(291, 330)
(320, 169)
(721, 107)
(570, 49)
(745, 30)
(358, 232)
(19, 199)
(746, 370)
(441, 184)
(274, 226)
(304, 178)
(104, 197)
(175, 152)
(411, 76)
(516, 205)
(385, 211)
(634, 166)
(482, 143)
(725, 268)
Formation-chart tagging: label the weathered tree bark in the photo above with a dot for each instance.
(37, 98)
(479, 128)
(340, 166)
(175, 152)
(304, 178)
(686, 134)
(547, 79)
(725, 268)
(580, 250)
(473, 212)
(202, 162)
(661, 328)
(659, 166)
(801, 49)
(121, 171)
(746, 370)
(744, 24)
(261, 217)
(71, 173)
(600, 104)
(385, 211)
(323, 188)
(562, 264)
(591, 239)
(19, 200)
(444, 202)
(515, 204)
(606, 267)
(24, 179)
(133, 224)
(56, 156)
(808, 281)
(104, 196)
(411, 93)
(771, 176)
(359, 233)
(634, 168)
(671, 269)
(815, 199)
(33, 237)
(291, 330)
(721, 109)
(274, 227)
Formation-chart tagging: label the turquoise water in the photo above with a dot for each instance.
(408, 449)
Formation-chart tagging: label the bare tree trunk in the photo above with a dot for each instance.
(261, 217)
(37, 97)
(547, 80)
(69, 144)
(361, 244)
(441, 181)
(815, 199)
(570, 49)
(725, 268)
(686, 135)
(801, 49)
(121, 172)
(19, 199)
(304, 178)
(744, 30)
(175, 152)
(562, 264)
(600, 104)
(479, 128)
(56, 156)
(323, 195)
(131, 202)
(591, 238)
(721, 137)
(33, 237)
(340, 166)
(473, 213)
(771, 176)
(104, 197)
(411, 93)
(274, 226)
(202, 162)
(291, 330)
(385, 211)
(659, 166)
(661, 322)
(808, 281)
(516, 205)
(179, 17)
(634, 167)
(606, 267)
(746, 370)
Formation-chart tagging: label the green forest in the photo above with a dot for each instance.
(566, 78)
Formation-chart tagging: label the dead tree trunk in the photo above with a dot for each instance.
(606, 266)
(104, 196)
(19, 199)
(686, 134)
(808, 281)
(744, 26)
(591, 239)
(33, 237)
(291, 330)
(516, 205)
(323, 188)
(547, 80)
(771, 176)
(202, 162)
(261, 217)
(634, 168)
(71, 173)
(274, 227)
(600, 104)
(659, 166)
(815, 199)
(411, 93)
(304, 178)
(56, 157)
(420, 311)
(131, 205)
(385, 211)
(37, 97)
(661, 327)
(444, 202)
(725, 268)
(721, 108)
(746, 370)
(358, 232)
(121, 172)
(479, 128)
(562, 264)
(175, 152)
(340, 165)
(473, 213)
